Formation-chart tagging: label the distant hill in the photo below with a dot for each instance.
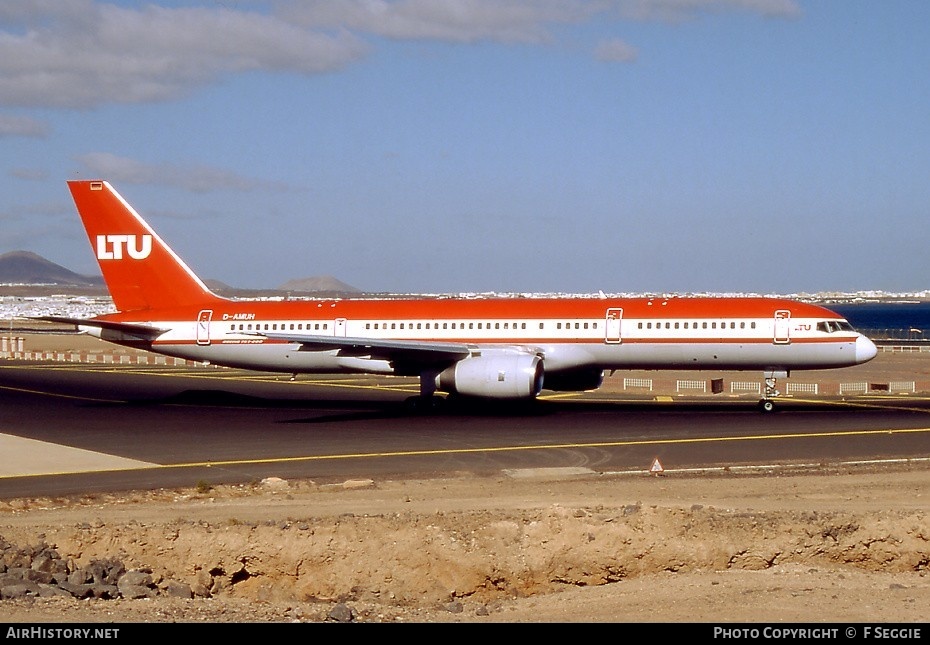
(24, 267)
(318, 283)
(218, 287)
(31, 269)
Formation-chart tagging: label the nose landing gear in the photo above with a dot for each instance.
(767, 404)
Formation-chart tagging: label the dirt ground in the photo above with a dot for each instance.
(783, 545)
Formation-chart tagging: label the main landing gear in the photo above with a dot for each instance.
(425, 401)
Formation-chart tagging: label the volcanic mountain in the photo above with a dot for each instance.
(25, 267)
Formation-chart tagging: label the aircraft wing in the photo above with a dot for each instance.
(401, 351)
(144, 332)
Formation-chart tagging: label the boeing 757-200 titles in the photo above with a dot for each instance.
(500, 348)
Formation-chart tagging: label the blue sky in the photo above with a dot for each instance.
(775, 146)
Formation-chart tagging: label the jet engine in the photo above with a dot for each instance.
(497, 375)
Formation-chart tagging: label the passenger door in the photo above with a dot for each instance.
(782, 327)
(613, 319)
(203, 326)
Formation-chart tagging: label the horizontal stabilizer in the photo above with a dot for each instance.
(143, 332)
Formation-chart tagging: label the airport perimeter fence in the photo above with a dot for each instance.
(898, 340)
(908, 335)
(14, 348)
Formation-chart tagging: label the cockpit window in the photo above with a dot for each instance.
(831, 326)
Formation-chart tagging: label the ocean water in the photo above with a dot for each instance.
(891, 319)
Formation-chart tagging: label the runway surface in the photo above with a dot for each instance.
(76, 428)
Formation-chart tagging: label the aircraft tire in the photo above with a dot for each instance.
(423, 404)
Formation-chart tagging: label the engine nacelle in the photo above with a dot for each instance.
(498, 375)
(574, 381)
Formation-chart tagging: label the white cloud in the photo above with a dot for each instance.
(194, 178)
(29, 174)
(523, 21)
(617, 51)
(21, 126)
(679, 10)
(83, 54)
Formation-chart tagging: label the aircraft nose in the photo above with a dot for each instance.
(865, 349)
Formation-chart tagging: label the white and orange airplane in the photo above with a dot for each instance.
(501, 348)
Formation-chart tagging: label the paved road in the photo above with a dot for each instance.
(71, 428)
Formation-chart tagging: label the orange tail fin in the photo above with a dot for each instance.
(140, 270)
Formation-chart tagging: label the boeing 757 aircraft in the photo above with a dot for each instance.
(502, 348)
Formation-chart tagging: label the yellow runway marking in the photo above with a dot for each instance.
(60, 396)
(562, 446)
(878, 403)
(559, 396)
(120, 464)
(206, 373)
